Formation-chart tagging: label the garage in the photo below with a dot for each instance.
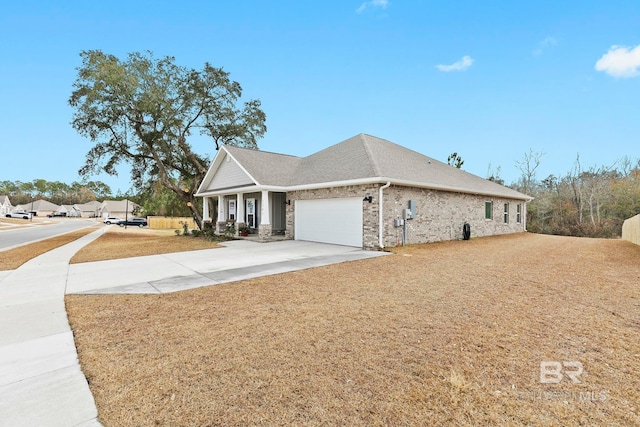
(336, 221)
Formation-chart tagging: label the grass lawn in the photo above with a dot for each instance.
(113, 244)
(442, 334)
(119, 242)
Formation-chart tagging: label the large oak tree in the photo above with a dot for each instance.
(142, 111)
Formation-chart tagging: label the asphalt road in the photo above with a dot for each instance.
(22, 236)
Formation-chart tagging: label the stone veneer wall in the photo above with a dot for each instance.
(440, 215)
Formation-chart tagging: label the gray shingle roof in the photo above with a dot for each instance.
(118, 205)
(38, 205)
(265, 167)
(364, 157)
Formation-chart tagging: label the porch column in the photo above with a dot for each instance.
(240, 209)
(222, 221)
(264, 229)
(205, 209)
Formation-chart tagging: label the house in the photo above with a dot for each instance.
(5, 205)
(89, 209)
(70, 211)
(118, 208)
(357, 193)
(39, 207)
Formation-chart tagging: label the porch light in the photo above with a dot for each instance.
(368, 199)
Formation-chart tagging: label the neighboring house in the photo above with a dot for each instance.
(89, 209)
(70, 211)
(5, 205)
(119, 208)
(39, 207)
(356, 193)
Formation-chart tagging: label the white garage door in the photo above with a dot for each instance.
(337, 221)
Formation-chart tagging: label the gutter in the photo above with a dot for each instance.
(380, 222)
(366, 181)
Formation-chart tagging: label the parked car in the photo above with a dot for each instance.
(19, 214)
(53, 215)
(112, 220)
(138, 222)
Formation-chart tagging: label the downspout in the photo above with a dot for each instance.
(380, 210)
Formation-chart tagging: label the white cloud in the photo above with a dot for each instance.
(620, 61)
(545, 43)
(461, 65)
(373, 3)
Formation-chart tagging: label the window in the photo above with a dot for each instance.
(232, 209)
(250, 212)
(518, 213)
(488, 210)
(505, 215)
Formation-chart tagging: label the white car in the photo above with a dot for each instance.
(19, 214)
(112, 220)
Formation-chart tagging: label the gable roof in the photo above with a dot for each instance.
(89, 206)
(360, 159)
(118, 205)
(266, 167)
(38, 205)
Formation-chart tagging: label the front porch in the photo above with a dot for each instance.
(256, 215)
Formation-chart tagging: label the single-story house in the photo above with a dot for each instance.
(39, 207)
(119, 208)
(89, 209)
(70, 211)
(5, 205)
(357, 193)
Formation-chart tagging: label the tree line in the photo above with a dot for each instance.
(584, 202)
(56, 192)
(153, 197)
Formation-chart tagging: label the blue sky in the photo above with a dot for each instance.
(487, 79)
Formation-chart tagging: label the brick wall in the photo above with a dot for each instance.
(440, 215)
(369, 210)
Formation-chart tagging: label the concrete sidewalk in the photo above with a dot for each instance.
(237, 260)
(41, 383)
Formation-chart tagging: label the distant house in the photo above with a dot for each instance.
(357, 193)
(38, 207)
(5, 205)
(119, 208)
(89, 209)
(70, 211)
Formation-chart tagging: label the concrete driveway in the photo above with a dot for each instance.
(236, 260)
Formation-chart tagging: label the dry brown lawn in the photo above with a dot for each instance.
(113, 244)
(119, 242)
(13, 223)
(14, 258)
(442, 334)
